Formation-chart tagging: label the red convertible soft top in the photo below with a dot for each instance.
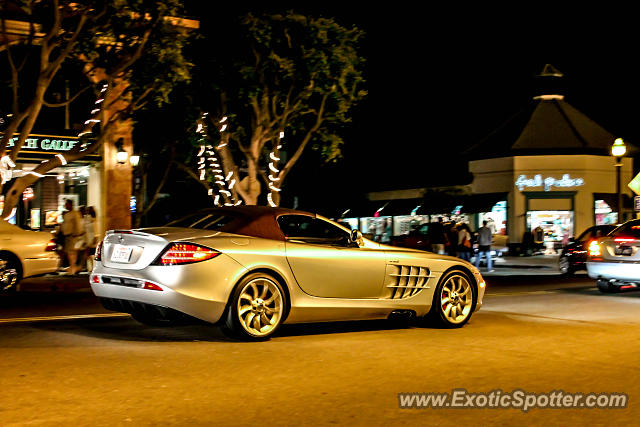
(255, 221)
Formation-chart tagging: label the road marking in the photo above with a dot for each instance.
(69, 317)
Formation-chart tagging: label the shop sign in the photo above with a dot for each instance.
(549, 182)
(46, 143)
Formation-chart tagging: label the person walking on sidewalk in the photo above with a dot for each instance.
(484, 245)
(437, 236)
(73, 230)
(464, 242)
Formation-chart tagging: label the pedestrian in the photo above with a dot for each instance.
(451, 245)
(91, 237)
(484, 245)
(464, 242)
(386, 234)
(538, 239)
(492, 225)
(73, 230)
(437, 236)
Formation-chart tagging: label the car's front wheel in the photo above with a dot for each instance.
(564, 265)
(256, 308)
(454, 300)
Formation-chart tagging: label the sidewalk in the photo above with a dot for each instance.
(538, 265)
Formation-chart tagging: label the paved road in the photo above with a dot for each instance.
(535, 333)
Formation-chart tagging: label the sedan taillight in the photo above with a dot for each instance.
(594, 249)
(51, 246)
(185, 253)
(98, 254)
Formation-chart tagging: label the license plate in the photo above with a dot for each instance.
(624, 250)
(121, 253)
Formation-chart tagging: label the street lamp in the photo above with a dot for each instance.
(134, 160)
(121, 154)
(618, 150)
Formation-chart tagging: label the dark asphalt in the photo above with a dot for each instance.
(535, 333)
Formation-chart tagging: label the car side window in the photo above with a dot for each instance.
(312, 230)
(587, 234)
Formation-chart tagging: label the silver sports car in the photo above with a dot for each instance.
(252, 268)
(614, 260)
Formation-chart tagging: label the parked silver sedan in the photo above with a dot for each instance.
(24, 253)
(253, 268)
(614, 260)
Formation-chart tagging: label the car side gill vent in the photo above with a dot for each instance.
(404, 281)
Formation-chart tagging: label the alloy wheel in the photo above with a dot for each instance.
(456, 299)
(563, 264)
(260, 307)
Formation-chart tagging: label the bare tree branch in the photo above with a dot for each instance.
(68, 101)
(319, 119)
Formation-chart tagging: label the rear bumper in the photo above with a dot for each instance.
(42, 265)
(625, 271)
(198, 296)
(209, 311)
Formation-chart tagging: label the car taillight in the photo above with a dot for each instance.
(98, 254)
(151, 286)
(51, 246)
(594, 249)
(185, 253)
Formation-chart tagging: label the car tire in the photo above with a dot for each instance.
(10, 273)
(455, 293)
(564, 265)
(256, 308)
(607, 287)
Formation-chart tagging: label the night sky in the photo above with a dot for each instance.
(441, 78)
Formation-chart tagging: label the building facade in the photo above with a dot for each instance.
(563, 194)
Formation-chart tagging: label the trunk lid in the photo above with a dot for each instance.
(131, 249)
(620, 248)
(136, 249)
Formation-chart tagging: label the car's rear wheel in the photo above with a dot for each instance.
(256, 308)
(606, 287)
(564, 265)
(454, 300)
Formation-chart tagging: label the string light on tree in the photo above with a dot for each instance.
(6, 164)
(208, 162)
(274, 172)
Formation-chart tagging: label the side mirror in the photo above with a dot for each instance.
(356, 237)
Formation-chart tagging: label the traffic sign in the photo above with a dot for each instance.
(636, 203)
(635, 184)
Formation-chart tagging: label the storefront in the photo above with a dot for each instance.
(42, 203)
(562, 194)
(387, 217)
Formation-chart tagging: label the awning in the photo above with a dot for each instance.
(477, 203)
(401, 207)
(360, 210)
(439, 204)
(612, 200)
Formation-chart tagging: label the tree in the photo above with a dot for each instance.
(130, 51)
(292, 84)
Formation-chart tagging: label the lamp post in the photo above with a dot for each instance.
(618, 150)
(121, 155)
